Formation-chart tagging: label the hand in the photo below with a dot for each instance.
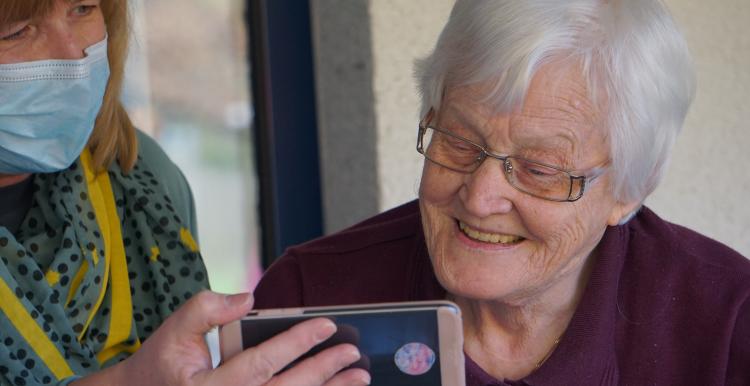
(176, 354)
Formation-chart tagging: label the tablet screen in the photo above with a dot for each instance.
(398, 347)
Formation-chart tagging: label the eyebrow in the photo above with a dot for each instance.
(561, 137)
(556, 141)
(458, 115)
(468, 121)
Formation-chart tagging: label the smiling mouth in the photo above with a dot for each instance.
(494, 238)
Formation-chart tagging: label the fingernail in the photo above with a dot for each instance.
(352, 355)
(325, 331)
(365, 379)
(237, 300)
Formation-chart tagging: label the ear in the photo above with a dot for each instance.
(621, 211)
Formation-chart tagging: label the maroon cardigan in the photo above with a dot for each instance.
(664, 305)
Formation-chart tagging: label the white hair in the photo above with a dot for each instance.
(634, 58)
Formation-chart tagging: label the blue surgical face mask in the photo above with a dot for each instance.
(48, 109)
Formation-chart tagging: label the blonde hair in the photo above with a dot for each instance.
(114, 136)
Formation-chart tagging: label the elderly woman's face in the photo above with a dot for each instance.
(488, 240)
(63, 33)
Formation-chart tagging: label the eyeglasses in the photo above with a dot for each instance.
(535, 178)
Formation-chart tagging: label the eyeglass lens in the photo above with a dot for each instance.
(461, 155)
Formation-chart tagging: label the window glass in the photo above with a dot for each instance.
(187, 87)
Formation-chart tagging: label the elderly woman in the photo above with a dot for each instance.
(545, 125)
(96, 227)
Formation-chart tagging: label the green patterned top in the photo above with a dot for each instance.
(98, 262)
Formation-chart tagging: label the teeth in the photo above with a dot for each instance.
(488, 237)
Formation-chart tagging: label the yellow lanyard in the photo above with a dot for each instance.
(115, 275)
(120, 325)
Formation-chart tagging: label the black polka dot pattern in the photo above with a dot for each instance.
(43, 265)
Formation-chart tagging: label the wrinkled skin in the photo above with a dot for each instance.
(509, 290)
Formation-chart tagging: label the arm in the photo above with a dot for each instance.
(176, 354)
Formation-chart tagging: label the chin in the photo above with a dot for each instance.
(480, 272)
(478, 281)
(469, 268)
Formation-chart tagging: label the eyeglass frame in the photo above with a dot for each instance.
(585, 179)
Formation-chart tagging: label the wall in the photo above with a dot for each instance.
(705, 187)
(346, 116)
(708, 182)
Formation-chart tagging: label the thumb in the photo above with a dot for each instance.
(209, 309)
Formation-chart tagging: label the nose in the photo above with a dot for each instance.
(487, 191)
(64, 43)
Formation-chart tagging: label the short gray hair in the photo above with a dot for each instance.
(629, 49)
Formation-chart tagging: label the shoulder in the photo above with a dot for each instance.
(676, 244)
(672, 259)
(152, 158)
(682, 297)
(372, 261)
(400, 223)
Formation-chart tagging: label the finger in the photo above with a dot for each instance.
(351, 377)
(258, 364)
(208, 309)
(319, 369)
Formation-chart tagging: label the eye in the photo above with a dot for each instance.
(83, 10)
(535, 169)
(460, 145)
(17, 33)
